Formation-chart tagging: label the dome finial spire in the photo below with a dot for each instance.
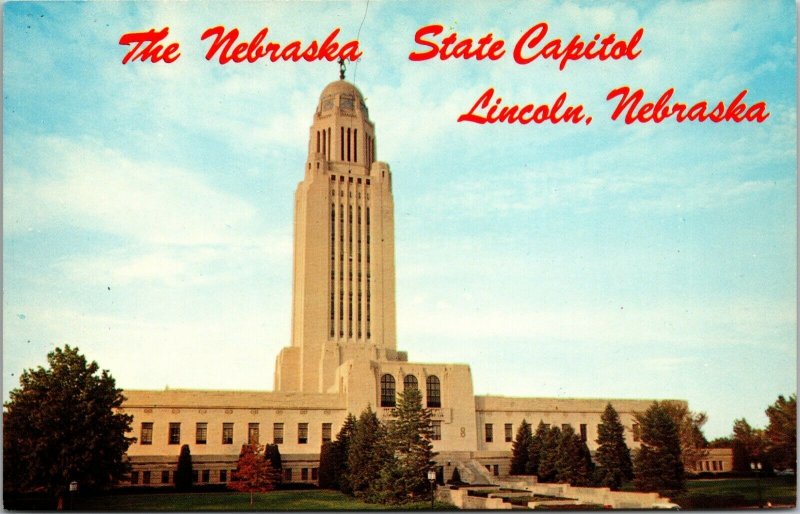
(342, 68)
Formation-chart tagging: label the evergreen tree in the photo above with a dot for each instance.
(327, 466)
(254, 471)
(548, 455)
(520, 450)
(339, 454)
(408, 449)
(273, 454)
(613, 456)
(658, 463)
(535, 449)
(573, 462)
(184, 475)
(456, 478)
(61, 425)
(365, 453)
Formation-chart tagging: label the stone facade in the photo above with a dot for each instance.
(343, 353)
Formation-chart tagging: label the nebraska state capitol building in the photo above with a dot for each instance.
(343, 355)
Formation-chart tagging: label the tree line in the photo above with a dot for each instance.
(671, 442)
(382, 462)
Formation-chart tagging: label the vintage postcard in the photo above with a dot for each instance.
(481, 241)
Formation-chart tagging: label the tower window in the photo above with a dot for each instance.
(355, 145)
(434, 391)
(341, 143)
(302, 433)
(410, 382)
(387, 391)
(509, 432)
(489, 432)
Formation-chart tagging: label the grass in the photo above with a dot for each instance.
(313, 499)
(778, 490)
(734, 492)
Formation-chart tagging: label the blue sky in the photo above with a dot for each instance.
(147, 208)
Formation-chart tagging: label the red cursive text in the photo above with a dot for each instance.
(609, 47)
(529, 113)
(483, 48)
(152, 50)
(256, 49)
(638, 112)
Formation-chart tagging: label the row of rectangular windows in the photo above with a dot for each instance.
(488, 431)
(253, 433)
(204, 476)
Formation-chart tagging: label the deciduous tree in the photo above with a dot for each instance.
(658, 465)
(748, 444)
(613, 457)
(781, 433)
(63, 424)
(254, 472)
(690, 432)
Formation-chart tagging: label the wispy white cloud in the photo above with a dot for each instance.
(53, 181)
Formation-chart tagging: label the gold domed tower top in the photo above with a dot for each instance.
(342, 133)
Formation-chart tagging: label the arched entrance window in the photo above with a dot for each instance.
(387, 391)
(434, 391)
(410, 382)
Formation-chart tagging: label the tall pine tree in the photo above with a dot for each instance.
(548, 455)
(658, 463)
(408, 449)
(573, 461)
(366, 454)
(340, 452)
(520, 450)
(535, 449)
(613, 457)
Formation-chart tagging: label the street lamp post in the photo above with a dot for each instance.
(431, 479)
(756, 466)
(73, 488)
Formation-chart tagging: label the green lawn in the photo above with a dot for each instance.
(778, 490)
(734, 492)
(311, 499)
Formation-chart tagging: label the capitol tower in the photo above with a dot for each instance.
(344, 280)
